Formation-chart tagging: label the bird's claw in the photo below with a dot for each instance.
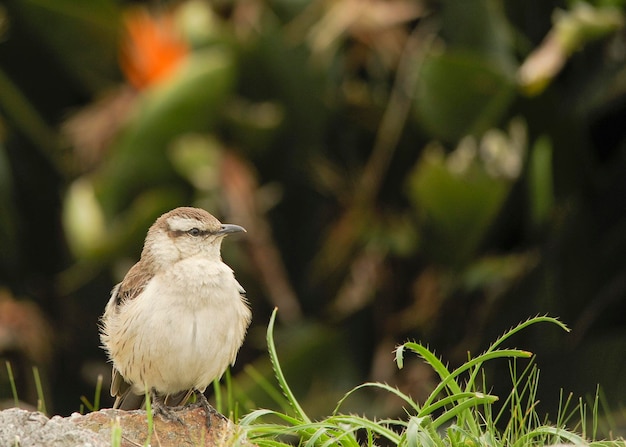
(202, 402)
(167, 413)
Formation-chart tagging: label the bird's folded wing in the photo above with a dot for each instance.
(133, 284)
(125, 399)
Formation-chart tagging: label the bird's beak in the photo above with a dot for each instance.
(230, 228)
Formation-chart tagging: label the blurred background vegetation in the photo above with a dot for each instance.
(406, 169)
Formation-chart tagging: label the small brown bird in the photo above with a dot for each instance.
(179, 317)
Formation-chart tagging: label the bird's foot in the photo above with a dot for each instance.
(166, 412)
(202, 402)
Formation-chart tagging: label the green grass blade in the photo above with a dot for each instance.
(16, 400)
(253, 416)
(539, 319)
(149, 416)
(266, 386)
(250, 420)
(217, 392)
(448, 378)
(449, 400)
(420, 433)
(86, 404)
(461, 407)
(358, 422)
(230, 397)
(541, 433)
(428, 356)
(97, 393)
(320, 432)
(41, 401)
(116, 432)
(95, 406)
(393, 390)
(280, 377)
(508, 334)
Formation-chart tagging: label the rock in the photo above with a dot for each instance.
(33, 429)
(29, 428)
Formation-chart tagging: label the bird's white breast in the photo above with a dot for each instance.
(184, 329)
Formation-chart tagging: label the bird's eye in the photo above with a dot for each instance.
(194, 232)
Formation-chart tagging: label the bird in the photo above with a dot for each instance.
(178, 318)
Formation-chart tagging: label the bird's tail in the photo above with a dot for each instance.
(131, 401)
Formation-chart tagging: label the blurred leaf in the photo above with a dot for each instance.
(502, 154)
(341, 243)
(196, 157)
(497, 271)
(199, 24)
(273, 71)
(95, 239)
(190, 101)
(540, 183)
(572, 29)
(461, 93)
(127, 232)
(255, 125)
(479, 27)
(395, 234)
(584, 23)
(83, 219)
(455, 207)
(82, 35)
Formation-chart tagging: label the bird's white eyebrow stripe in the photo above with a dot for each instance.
(177, 223)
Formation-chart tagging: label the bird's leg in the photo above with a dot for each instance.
(202, 402)
(162, 409)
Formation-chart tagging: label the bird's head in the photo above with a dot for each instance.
(183, 233)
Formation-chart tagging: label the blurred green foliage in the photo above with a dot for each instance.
(437, 170)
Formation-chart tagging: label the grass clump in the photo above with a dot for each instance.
(458, 412)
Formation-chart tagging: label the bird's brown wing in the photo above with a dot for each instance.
(133, 284)
(125, 399)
